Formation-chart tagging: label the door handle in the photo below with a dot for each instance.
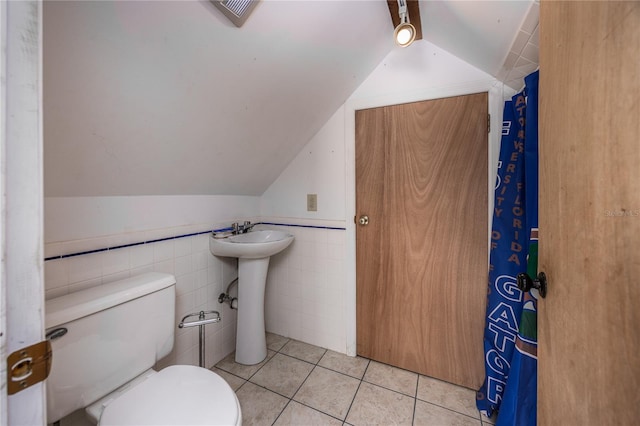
(364, 220)
(525, 283)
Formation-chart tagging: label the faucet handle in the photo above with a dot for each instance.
(246, 223)
(234, 225)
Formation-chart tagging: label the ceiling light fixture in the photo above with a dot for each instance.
(405, 33)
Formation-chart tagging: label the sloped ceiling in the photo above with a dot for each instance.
(480, 32)
(170, 98)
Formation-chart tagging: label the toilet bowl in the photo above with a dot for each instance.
(177, 395)
(106, 339)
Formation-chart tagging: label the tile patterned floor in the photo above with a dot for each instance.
(300, 384)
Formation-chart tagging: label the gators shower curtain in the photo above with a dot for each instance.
(510, 339)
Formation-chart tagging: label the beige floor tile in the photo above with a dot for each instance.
(328, 391)
(448, 395)
(303, 351)
(282, 374)
(350, 365)
(260, 407)
(275, 342)
(234, 381)
(393, 378)
(428, 414)
(297, 414)
(374, 405)
(245, 371)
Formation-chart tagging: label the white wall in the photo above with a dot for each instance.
(326, 166)
(317, 169)
(70, 219)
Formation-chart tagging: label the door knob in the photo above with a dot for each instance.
(525, 283)
(364, 220)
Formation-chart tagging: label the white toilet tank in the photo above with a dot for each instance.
(114, 332)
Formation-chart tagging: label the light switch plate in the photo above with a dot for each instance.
(312, 202)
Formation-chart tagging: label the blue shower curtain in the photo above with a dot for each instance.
(510, 339)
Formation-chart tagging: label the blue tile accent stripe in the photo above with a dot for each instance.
(302, 226)
(63, 256)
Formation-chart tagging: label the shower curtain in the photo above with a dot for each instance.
(510, 337)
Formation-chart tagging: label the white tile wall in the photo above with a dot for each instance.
(523, 55)
(200, 278)
(306, 283)
(304, 296)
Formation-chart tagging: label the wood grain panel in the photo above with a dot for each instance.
(422, 266)
(589, 324)
(370, 180)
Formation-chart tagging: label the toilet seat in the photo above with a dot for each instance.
(177, 395)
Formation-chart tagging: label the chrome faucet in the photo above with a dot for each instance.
(242, 229)
(248, 226)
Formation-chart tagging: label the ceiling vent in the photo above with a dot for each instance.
(236, 10)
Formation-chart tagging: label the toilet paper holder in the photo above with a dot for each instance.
(200, 322)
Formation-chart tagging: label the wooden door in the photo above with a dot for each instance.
(421, 261)
(589, 323)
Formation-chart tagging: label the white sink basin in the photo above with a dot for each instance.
(252, 245)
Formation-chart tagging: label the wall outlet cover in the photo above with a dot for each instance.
(312, 202)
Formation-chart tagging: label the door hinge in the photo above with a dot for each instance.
(488, 123)
(28, 366)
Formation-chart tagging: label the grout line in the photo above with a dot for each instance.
(240, 387)
(280, 413)
(389, 389)
(319, 411)
(303, 360)
(340, 373)
(453, 411)
(352, 401)
(415, 401)
(290, 399)
(265, 361)
(357, 390)
(303, 382)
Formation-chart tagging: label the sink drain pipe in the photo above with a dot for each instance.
(225, 298)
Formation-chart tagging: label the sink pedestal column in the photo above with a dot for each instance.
(251, 341)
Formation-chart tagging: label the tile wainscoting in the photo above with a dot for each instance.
(303, 298)
(306, 284)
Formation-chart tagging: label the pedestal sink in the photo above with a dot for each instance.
(253, 251)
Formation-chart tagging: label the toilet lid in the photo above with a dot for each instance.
(177, 395)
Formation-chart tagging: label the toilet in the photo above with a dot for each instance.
(105, 341)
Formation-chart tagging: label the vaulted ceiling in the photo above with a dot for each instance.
(169, 97)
